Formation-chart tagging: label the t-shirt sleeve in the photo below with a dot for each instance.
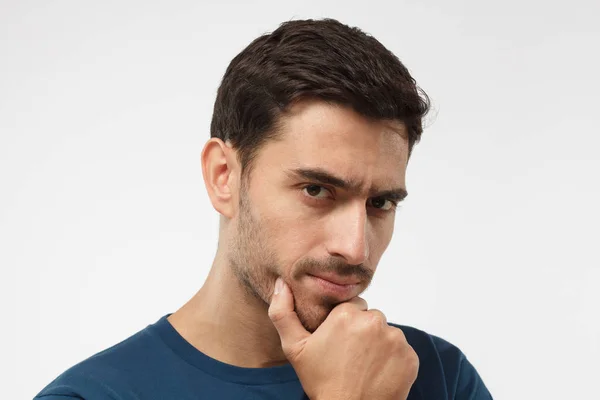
(470, 386)
(81, 382)
(444, 370)
(57, 391)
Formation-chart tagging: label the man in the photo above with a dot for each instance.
(312, 130)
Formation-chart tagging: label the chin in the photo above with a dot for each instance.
(313, 315)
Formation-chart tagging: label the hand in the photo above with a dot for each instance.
(354, 354)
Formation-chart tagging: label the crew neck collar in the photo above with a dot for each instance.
(216, 368)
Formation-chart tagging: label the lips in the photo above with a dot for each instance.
(337, 279)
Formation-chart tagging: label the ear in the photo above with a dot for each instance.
(220, 170)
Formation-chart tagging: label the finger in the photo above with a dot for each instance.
(350, 307)
(375, 313)
(285, 319)
(358, 302)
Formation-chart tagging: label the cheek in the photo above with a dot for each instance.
(289, 222)
(387, 233)
(292, 237)
(381, 238)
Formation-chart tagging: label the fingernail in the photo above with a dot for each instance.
(278, 285)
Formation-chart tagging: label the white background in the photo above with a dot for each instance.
(105, 224)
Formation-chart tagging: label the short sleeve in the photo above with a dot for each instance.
(470, 386)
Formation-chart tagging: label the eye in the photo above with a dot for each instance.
(316, 191)
(381, 203)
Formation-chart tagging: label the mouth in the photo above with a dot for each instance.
(341, 288)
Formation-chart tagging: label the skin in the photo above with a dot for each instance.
(281, 224)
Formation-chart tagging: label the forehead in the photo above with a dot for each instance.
(337, 139)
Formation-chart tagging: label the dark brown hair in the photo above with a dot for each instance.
(322, 59)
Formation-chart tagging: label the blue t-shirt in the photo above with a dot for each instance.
(158, 363)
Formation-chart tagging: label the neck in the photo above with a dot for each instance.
(228, 324)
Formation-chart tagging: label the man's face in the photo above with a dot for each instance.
(298, 222)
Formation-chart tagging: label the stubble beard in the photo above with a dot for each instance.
(255, 264)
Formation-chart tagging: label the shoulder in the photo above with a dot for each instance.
(427, 345)
(443, 365)
(101, 374)
(437, 356)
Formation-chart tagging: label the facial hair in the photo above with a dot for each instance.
(256, 265)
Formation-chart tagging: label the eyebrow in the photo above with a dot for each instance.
(320, 175)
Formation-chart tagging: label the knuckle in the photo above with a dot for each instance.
(399, 344)
(344, 312)
(377, 319)
(345, 307)
(276, 315)
(344, 315)
(397, 336)
(291, 351)
(412, 360)
(360, 302)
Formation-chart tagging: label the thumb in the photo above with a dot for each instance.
(285, 319)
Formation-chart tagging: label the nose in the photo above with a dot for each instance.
(347, 234)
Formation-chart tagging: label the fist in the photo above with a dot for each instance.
(354, 354)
